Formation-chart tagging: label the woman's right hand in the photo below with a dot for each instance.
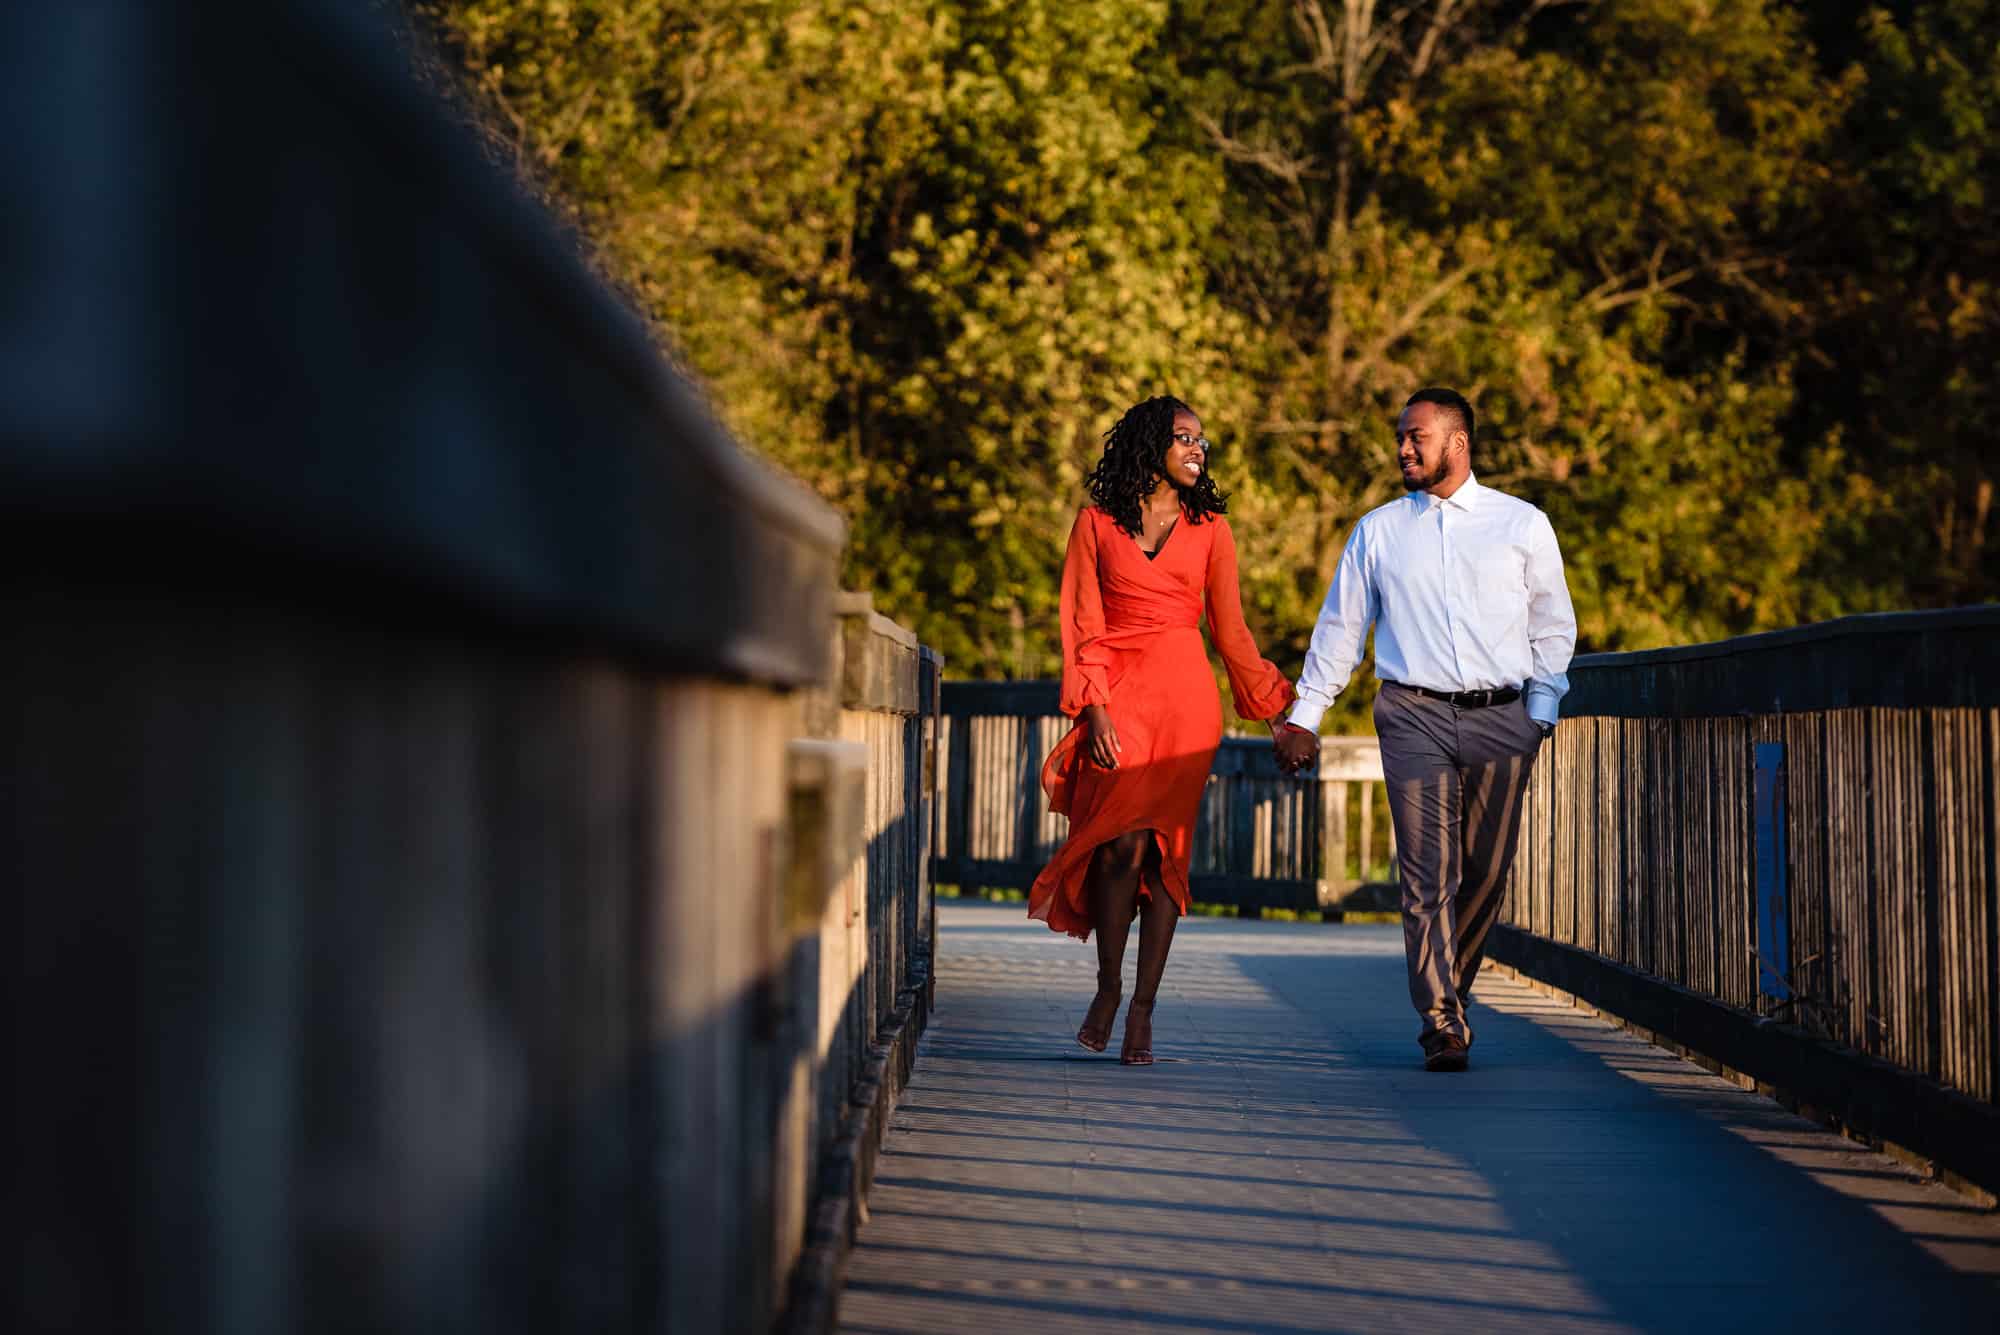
(1104, 747)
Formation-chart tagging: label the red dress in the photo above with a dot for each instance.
(1132, 642)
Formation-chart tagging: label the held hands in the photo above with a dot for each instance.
(1102, 746)
(1296, 747)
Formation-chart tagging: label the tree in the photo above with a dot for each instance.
(1718, 274)
(723, 156)
(1568, 212)
(922, 256)
(1905, 320)
(1035, 271)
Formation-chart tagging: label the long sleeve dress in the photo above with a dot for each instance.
(1132, 642)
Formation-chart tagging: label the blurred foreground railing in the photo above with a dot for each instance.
(863, 809)
(1779, 852)
(465, 871)
(1262, 840)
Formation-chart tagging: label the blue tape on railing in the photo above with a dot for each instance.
(1774, 941)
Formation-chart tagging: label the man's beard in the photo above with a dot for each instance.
(1425, 481)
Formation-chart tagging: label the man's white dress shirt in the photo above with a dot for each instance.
(1465, 594)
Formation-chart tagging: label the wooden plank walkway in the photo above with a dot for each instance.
(1288, 1166)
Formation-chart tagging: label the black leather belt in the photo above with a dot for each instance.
(1499, 695)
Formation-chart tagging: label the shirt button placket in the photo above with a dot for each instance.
(1451, 590)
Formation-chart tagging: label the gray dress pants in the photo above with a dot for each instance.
(1456, 779)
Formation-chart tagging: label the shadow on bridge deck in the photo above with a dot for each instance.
(1289, 1167)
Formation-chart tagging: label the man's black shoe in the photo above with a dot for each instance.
(1446, 1052)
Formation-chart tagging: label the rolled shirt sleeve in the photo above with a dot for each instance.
(1551, 624)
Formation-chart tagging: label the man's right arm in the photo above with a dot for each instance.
(1339, 637)
(1551, 625)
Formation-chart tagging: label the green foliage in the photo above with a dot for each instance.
(1720, 275)
(1569, 225)
(1906, 314)
(1037, 274)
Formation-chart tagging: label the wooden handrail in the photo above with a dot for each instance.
(1779, 848)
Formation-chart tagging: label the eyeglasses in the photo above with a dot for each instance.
(1183, 438)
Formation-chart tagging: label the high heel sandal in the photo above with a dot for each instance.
(1099, 1038)
(1139, 1052)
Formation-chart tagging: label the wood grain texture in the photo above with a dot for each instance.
(432, 982)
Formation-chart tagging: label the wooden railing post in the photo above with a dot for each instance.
(1334, 881)
(929, 723)
(958, 784)
(1367, 829)
(1344, 761)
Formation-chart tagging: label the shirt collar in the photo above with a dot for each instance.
(1467, 496)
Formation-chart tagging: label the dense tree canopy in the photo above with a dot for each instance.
(1719, 275)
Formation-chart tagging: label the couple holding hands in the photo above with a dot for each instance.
(1463, 586)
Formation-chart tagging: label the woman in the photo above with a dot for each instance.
(1142, 561)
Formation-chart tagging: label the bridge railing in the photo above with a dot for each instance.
(1779, 852)
(1262, 840)
(465, 862)
(860, 915)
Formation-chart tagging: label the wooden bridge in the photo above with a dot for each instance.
(471, 867)
(1755, 902)
(1289, 1167)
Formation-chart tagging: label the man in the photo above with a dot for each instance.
(1473, 634)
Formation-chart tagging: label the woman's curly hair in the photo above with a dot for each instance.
(1135, 453)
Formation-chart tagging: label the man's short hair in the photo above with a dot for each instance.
(1449, 399)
